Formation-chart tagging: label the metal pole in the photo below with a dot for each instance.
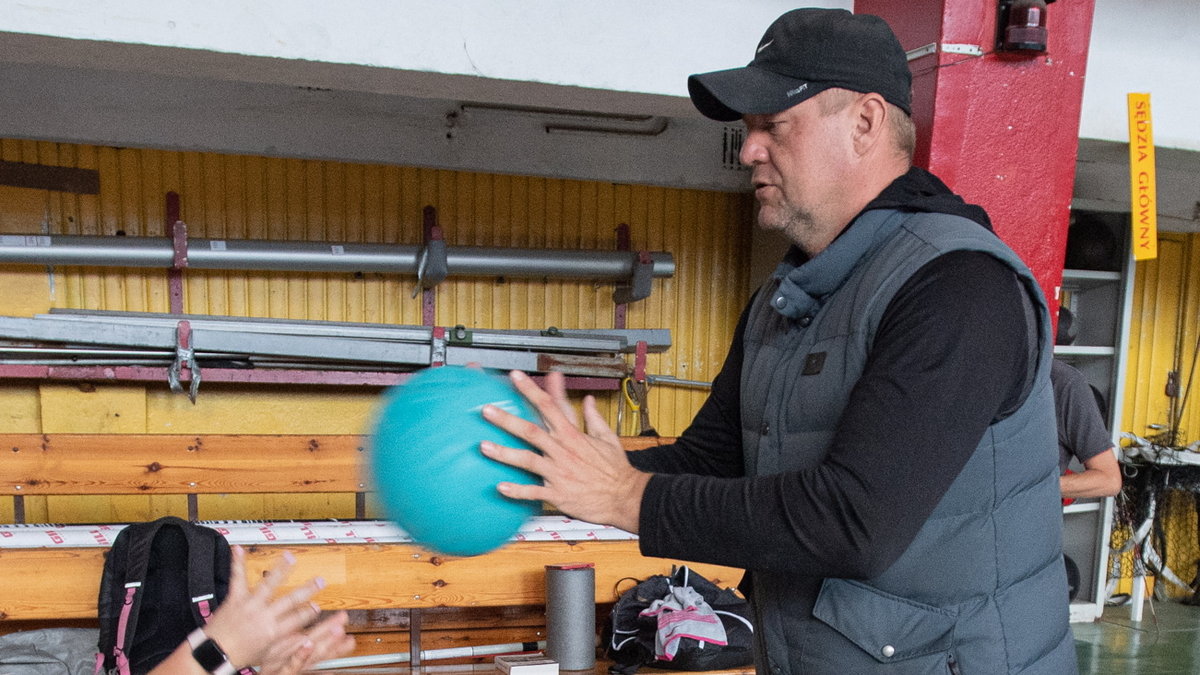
(676, 382)
(299, 256)
(429, 655)
(558, 339)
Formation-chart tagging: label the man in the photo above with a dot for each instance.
(878, 449)
(1082, 435)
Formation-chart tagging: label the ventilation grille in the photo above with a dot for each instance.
(731, 147)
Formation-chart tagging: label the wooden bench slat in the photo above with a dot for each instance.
(64, 583)
(120, 464)
(112, 464)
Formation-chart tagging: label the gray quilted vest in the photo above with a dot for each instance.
(982, 588)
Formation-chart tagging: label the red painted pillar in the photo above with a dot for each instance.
(1001, 129)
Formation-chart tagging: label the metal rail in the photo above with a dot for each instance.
(301, 256)
(135, 346)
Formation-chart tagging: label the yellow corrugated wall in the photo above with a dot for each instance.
(1163, 318)
(236, 197)
(1163, 337)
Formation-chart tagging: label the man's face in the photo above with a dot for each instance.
(799, 157)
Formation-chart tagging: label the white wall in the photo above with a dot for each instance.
(618, 45)
(386, 81)
(1143, 46)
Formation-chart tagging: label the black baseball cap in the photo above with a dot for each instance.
(803, 53)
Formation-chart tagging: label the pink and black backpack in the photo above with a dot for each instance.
(161, 581)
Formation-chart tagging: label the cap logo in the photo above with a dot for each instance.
(792, 92)
(763, 46)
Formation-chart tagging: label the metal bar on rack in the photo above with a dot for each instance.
(57, 330)
(81, 362)
(326, 348)
(676, 382)
(599, 339)
(532, 362)
(247, 324)
(373, 378)
(592, 366)
(585, 344)
(303, 256)
(274, 344)
(211, 375)
(77, 352)
(657, 340)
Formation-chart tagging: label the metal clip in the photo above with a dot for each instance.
(432, 266)
(185, 358)
(638, 287)
(459, 336)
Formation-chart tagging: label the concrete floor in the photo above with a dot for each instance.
(1166, 641)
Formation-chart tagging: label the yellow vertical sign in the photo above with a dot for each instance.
(1143, 198)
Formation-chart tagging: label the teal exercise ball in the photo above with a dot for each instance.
(431, 477)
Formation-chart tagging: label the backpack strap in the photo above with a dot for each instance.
(202, 563)
(141, 539)
(124, 625)
(206, 558)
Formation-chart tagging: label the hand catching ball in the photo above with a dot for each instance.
(425, 461)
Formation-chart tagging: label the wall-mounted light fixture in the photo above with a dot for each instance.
(1021, 26)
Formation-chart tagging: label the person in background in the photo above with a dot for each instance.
(1082, 435)
(255, 628)
(877, 451)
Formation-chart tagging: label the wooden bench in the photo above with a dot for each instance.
(402, 597)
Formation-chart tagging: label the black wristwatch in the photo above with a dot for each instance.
(209, 654)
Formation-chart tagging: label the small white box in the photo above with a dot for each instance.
(526, 664)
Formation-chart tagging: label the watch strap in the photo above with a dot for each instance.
(209, 654)
(195, 637)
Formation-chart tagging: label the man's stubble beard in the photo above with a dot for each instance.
(797, 224)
